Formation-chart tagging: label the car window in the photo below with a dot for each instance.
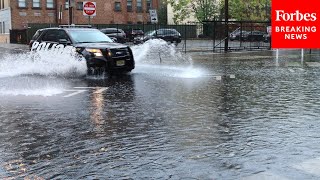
(160, 32)
(63, 35)
(51, 35)
(111, 31)
(37, 34)
(150, 33)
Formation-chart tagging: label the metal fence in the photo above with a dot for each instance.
(205, 36)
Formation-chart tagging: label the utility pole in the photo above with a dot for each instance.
(226, 19)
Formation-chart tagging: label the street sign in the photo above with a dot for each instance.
(89, 8)
(153, 16)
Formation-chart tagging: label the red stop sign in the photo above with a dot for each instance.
(89, 8)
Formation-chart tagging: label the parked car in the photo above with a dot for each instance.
(169, 35)
(117, 35)
(132, 33)
(235, 35)
(253, 36)
(100, 52)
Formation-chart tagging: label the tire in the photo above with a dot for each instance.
(96, 71)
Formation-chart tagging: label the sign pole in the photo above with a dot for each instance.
(89, 20)
(70, 12)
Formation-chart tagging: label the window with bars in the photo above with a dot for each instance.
(50, 4)
(22, 3)
(117, 6)
(79, 5)
(149, 5)
(139, 5)
(129, 5)
(36, 3)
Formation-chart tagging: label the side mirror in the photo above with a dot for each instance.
(64, 41)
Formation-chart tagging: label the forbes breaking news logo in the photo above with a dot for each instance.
(295, 24)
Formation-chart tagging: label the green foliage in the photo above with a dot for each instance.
(249, 9)
(204, 10)
(181, 10)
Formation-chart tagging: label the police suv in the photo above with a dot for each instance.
(100, 52)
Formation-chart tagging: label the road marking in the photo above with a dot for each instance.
(232, 76)
(264, 176)
(78, 90)
(313, 64)
(311, 166)
(98, 89)
(75, 93)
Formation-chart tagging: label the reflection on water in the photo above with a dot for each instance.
(155, 126)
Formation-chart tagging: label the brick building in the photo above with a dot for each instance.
(16, 14)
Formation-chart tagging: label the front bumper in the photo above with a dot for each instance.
(119, 60)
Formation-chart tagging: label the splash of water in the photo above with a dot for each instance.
(45, 63)
(31, 86)
(158, 51)
(157, 57)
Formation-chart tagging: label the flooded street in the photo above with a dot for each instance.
(175, 116)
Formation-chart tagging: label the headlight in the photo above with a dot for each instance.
(96, 52)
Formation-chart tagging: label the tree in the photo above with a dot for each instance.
(203, 10)
(249, 9)
(181, 10)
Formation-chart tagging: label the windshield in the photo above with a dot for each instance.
(88, 36)
(150, 33)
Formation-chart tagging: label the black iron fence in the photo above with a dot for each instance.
(205, 36)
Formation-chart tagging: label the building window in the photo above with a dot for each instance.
(36, 3)
(79, 5)
(139, 5)
(66, 4)
(37, 13)
(22, 3)
(117, 6)
(149, 5)
(4, 27)
(50, 4)
(129, 5)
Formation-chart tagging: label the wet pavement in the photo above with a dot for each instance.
(212, 116)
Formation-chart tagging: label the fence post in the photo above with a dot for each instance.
(240, 37)
(144, 29)
(214, 34)
(185, 38)
(251, 35)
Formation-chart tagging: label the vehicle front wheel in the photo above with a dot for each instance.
(95, 71)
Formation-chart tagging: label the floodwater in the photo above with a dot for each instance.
(174, 117)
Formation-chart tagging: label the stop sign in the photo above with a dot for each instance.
(89, 8)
